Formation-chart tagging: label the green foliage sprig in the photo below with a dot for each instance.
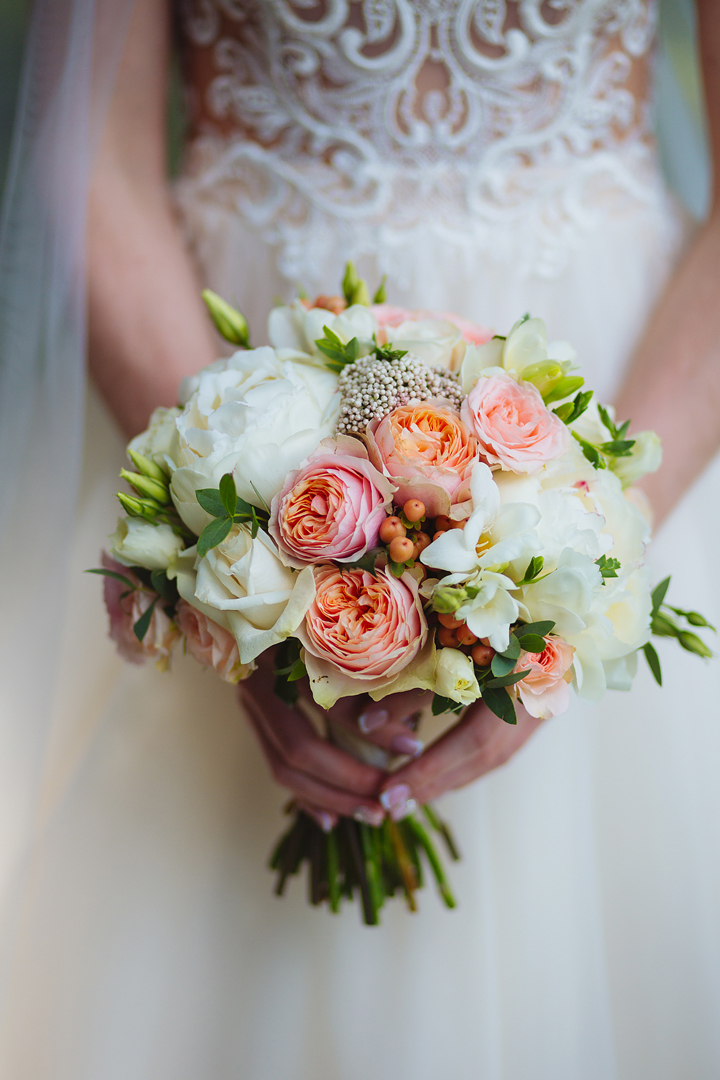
(662, 624)
(227, 509)
(338, 354)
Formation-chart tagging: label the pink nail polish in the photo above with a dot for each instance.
(407, 744)
(366, 816)
(403, 809)
(393, 796)
(326, 821)
(372, 718)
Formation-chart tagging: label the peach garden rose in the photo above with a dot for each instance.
(428, 453)
(332, 507)
(125, 607)
(545, 690)
(366, 628)
(513, 426)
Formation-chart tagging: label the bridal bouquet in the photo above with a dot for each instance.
(390, 500)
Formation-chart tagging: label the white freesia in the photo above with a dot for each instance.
(138, 543)
(645, 457)
(455, 677)
(258, 414)
(437, 342)
(296, 327)
(525, 345)
(159, 440)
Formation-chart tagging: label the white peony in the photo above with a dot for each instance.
(138, 543)
(257, 414)
(455, 676)
(294, 327)
(263, 600)
(437, 342)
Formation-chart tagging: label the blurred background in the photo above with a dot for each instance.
(678, 98)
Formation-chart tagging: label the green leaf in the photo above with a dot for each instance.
(297, 671)
(659, 593)
(540, 628)
(591, 452)
(166, 589)
(339, 355)
(111, 573)
(653, 662)
(607, 567)
(213, 534)
(532, 643)
(572, 410)
(618, 447)
(141, 627)
(533, 569)
(397, 569)
(228, 494)
(381, 295)
(286, 691)
(385, 352)
(211, 501)
(513, 650)
(442, 705)
(499, 701)
(503, 665)
(264, 505)
(607, 421)
(505, 680)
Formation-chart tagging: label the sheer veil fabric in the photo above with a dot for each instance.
(140, 940)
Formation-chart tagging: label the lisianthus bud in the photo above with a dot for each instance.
(145, 485)
(147, 467)
(544, 375)
(145, 508)
(229, 322)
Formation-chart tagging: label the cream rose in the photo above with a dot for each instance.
(263, 600)
(210, 643)
(455, 677)
(159, 440)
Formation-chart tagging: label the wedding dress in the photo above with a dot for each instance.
(491, 158)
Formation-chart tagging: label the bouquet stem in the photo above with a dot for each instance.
(364, 861)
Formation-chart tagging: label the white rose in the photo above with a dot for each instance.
(159, 440)
(295, 327)
(138, 543)
(645, 457)
(263, 600)
(437, 342)
(257, 415)
(455, 677)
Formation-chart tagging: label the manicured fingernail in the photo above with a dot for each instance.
(393, 796)
(372, 719)
(403, 809)
(327, 822)
(406, 744)
(366, 816)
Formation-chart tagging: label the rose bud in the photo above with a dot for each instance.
(401, 549)
(390, 528)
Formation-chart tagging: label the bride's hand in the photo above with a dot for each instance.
(328, 781)
(478, 743)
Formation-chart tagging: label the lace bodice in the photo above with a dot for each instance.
(504, 126)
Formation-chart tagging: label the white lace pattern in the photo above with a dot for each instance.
(499, 126)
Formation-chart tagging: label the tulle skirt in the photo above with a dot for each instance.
(586, 942)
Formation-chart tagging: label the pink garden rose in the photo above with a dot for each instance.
(514, 427)
(428, 453)
(210, 644)
(387, 315)
(332, 506)
(545, 690)
(125, 610)
(369, 626)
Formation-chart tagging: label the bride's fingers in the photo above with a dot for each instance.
(479, 743)
(300, 747)
(388, 724)
(323, 818)
(321, 796)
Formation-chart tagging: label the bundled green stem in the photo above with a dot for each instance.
(364, 862)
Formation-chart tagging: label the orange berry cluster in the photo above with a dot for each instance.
(455, 634)
(401, 547)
